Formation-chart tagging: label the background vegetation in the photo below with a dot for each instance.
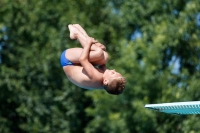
(154, 44)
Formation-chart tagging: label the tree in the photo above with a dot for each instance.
(154, 44)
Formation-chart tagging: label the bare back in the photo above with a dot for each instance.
(77, 75)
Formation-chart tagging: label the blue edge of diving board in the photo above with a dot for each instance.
(179, 108)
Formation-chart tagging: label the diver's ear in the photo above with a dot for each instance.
(105, 82)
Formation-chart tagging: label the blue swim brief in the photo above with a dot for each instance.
(64, 61)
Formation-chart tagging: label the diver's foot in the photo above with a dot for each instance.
(73, 32)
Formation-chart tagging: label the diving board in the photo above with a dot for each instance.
(180, 108)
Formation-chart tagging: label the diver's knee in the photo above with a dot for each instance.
(100, 53)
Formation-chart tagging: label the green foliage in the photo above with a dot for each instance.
(36, 95)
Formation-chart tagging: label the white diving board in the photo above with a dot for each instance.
(180, 108)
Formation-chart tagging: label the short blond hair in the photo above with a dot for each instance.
(115, 86)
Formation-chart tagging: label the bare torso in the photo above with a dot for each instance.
(77, 75)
